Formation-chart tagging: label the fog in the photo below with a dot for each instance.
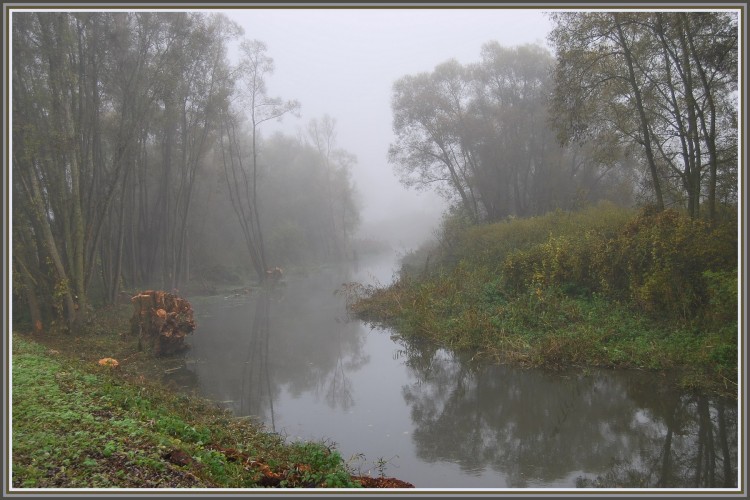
(259, 175)
(343, 62)
(191, 159)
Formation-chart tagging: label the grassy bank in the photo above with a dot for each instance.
(602, 287)
(79, 425)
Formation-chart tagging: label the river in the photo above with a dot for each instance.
(294, 360)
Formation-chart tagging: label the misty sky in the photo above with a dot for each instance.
(343, 62)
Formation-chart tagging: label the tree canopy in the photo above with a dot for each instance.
(640, 99)
(481, 135)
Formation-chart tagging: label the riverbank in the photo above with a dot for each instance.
(77, 424)
(604, 287)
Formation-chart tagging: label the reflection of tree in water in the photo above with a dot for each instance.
(538, 428)
(291, 337)
(417, 355)
(698, 449)
(333, 382)
(315, 346)
(338, 386)
(256, 377)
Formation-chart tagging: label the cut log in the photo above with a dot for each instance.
(161, 321)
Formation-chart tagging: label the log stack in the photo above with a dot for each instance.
(161, 320)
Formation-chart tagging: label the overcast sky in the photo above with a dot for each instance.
(343, 62)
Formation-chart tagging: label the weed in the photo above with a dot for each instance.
(600, 287)
(381, 464)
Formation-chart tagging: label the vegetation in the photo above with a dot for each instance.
(80, 425)
(133, 137)
(481, 135)
(634, 106)
(663, 83)
(599, 287)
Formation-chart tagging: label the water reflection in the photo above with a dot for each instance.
(293, 337)
(256, 395)
(290, 356)
(597, 430)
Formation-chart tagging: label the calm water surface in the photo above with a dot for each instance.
(293, 359)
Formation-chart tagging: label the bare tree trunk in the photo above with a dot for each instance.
(259, 232)
(119, 250)
(709, 133)
(165, 215)
(51, 248)
(240, 193)
(645, 127)
(29, 287)
(693, 167)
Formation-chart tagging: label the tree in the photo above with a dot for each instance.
(92, 92)
(520, 165)
(114, 117)
(432, 145)
(664, 81)
(699, 54)
(481, 135)
(56, 105)
(322, 134)
(202, 87)
(301, 194)
(255, 66)
(183, 79)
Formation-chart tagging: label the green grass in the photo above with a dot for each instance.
(546, 292)
(78, 425)
(548, 328)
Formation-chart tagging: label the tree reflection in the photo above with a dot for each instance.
(338, 393)
(562, 429)
(293, 337)
(315, 346)
(698, 451)
(256, 380)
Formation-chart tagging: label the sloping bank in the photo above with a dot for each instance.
(79, 425)
(602, 287)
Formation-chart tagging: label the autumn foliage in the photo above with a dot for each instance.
(662, 263)
(111, 362)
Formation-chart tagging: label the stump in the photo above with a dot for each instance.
(161, 320)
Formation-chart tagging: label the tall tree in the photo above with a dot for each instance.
(337, 162)
(202, 86)
(51, 109)
(481, 135)
(664, 81)
(91, 93)
(433, 147)
(301, 193)
(255, 66)
(520, 162)
(189, 77)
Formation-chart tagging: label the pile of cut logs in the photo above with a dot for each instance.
(161, 320)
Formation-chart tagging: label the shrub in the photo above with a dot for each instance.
(663, 263)
(721, 291)
(659, 259)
